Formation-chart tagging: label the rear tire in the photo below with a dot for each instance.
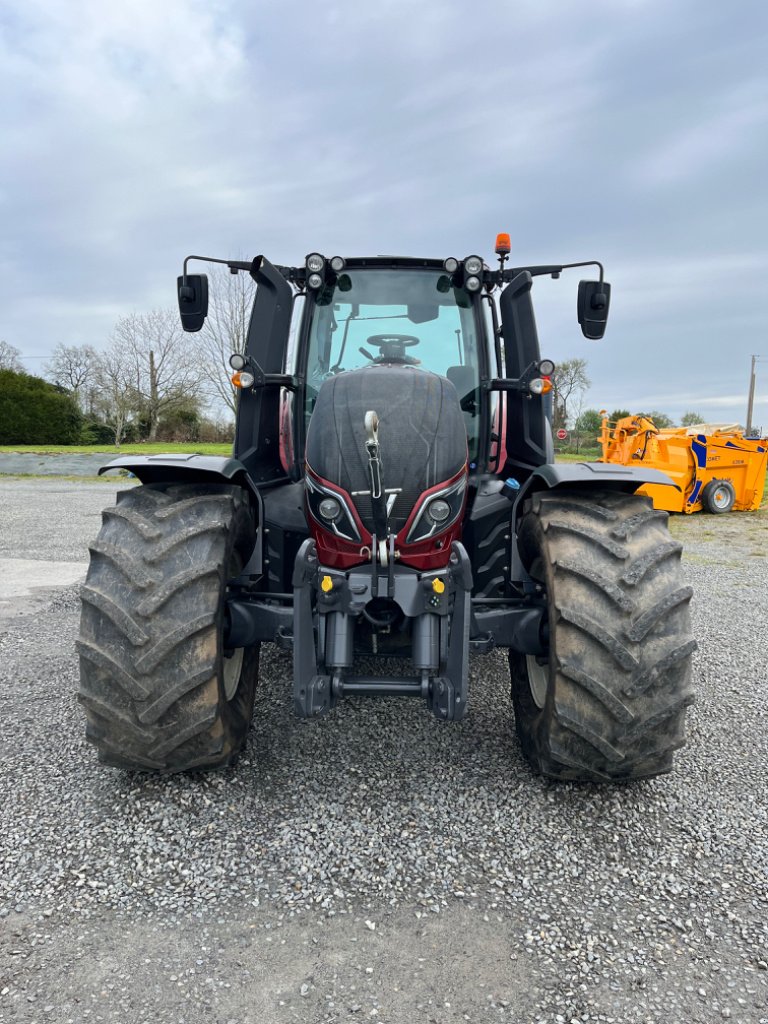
(718, 496)
(159, 690)
(608, 702)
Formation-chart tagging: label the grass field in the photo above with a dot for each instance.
(585, 455)
(127, 449)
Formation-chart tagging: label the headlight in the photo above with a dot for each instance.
(450, 265)
(337, 264)
(243, 379)
(237, 361)
(546, 367)
(472, 284)
(473, 266)
(314, 280)
(329, 508)
(315, 263)
(437, 511)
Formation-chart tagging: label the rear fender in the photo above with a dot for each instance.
(200, 469)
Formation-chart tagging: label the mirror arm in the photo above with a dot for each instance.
(261, 379)
(554, 270)
(293, 274)
(505, 384)
(234, 265)
(284, 380)
(587, 263)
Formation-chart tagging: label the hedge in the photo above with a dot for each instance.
(32, 411)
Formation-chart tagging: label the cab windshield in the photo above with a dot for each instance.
(414, 317)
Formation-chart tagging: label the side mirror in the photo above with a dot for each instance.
(193, 300)
(592, 307)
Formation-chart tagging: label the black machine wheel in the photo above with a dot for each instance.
(609, 700)
(159, 689)
(718, 496)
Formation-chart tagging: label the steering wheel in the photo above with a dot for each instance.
(392, 348)
(399, 340)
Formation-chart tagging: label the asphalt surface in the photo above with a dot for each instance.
(378, 865)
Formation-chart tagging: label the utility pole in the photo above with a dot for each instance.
(751, 399)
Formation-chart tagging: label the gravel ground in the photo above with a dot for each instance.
(377, 864)
(35, 464)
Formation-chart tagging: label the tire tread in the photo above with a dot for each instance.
(621, 643)
(150, 643)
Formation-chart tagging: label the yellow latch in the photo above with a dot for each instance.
(438, 586)
(326, 584)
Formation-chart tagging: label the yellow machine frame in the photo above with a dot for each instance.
(691, 456)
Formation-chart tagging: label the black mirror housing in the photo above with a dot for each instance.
(422, 314)
(592, 308)
(192, 291)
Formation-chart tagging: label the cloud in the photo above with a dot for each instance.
(135, 134)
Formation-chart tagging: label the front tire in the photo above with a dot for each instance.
(160, 691)
(609, 700)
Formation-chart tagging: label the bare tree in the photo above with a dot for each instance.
(10, 358)
(225, 331)
(577, 409)
(115, 400)
(569, 381)
(74, 367)
(161, 370)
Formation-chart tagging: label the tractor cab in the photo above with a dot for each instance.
(399, 316)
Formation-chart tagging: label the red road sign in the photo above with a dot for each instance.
(561, 435)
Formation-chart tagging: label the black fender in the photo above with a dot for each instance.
(579, 476)
(583, 475)
(170, 468)
(190, 469)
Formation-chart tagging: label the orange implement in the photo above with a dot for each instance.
(715, 466)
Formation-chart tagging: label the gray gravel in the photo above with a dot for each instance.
(377, 864)
(54, 519)
(63, 464)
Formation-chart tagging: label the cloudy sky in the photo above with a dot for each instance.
(630, 131)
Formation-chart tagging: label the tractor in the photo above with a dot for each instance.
(392, 500)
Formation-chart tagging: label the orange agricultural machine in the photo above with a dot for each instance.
(716, 467)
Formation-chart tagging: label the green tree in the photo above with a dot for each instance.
(689, 419)
(660, 419)
(619, 414)
(181, 423)
(32, 411)
(589, 423)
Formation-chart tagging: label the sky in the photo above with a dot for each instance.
(630, 131)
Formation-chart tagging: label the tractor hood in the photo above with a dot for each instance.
(421, 433)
